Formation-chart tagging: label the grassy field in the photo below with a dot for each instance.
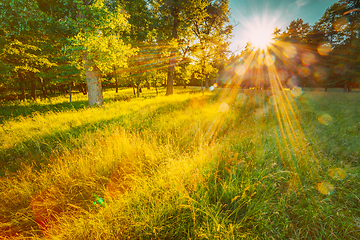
(227, 164)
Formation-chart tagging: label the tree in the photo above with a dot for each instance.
(22, 25)
(99, 42)
(296, 31)
(94, 31)
(174, 19)
(338, 25)
(212, 32)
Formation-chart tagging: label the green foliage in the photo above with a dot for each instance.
(25, 57)
(105, 51)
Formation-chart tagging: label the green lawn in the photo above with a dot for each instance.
(228, 164)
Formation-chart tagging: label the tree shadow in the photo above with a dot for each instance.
(16, 110)
(38, 151)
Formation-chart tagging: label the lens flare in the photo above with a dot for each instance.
(271, 69)
(308, 58)
(304, 71)
(241, 99)
(320, 74)
(324, 49)
(326, 188)
(289, 50)
(99, 200)
(341, 69)
(341, 24)
(274, 100)
(261, 38)
(296, 91)
(337, 174)
(325, 119)
(224, 107)
(269, 59)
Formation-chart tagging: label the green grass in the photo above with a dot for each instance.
(189, 166)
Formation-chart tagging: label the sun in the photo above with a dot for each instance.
(259, 30)
(261, 37)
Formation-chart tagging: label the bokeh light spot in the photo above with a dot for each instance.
(325, 119)
(224, 107)
(260, 59)
(340, 69)
(212, 88)
(337, 174)
(240, 70)
(304, 71)
(296, 91)
(324, 49)
(320, 74)
(241, 98)
(261, 112)
(325, 188)
(269, 59)
(289, 50)
(308, 58)
(274, 100)
(341, 24)
(293, 82)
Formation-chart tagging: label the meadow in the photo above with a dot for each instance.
(226, 164)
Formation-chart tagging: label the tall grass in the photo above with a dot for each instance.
(229, 165)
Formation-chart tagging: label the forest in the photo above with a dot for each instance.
(62, 45)
(58, 47)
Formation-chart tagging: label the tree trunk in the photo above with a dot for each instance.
(202, 89)
(70, 91)
(82, 88)
(33, 86)
(346, 87)
(116, 81)
(134, 89)
(138, 90)
(93, 80)
(33, 89)
(207, 81)
(22, 86)
(43, 89)
(170, 81)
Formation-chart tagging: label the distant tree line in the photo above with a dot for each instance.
(326, 54)
(52, 46)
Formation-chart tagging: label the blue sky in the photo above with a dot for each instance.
(265, 15)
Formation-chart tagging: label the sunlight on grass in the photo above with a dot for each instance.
(229, 164)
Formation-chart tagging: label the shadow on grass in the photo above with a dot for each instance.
(19, 109)
(16, 110)
(37, 152)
